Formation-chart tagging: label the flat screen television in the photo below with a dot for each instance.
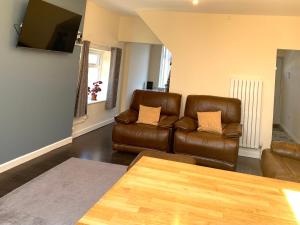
(49, 27)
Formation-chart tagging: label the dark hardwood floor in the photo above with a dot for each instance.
(96, 145)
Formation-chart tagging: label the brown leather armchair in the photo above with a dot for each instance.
(282, 161)
(209, 149)
(130, 136)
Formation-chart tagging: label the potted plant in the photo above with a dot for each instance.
(94, 91)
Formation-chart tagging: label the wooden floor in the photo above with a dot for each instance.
(95, 146)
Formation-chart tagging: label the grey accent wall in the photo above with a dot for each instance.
(37, 88)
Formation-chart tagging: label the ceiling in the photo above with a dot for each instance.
(255, 7)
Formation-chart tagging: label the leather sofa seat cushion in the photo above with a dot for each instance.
(206, 145)
(148, 136)
(278, 167)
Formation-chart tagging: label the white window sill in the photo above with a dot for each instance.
(91, 102)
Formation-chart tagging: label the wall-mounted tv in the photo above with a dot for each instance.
(49, 27)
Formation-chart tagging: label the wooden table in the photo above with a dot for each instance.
(161, 192)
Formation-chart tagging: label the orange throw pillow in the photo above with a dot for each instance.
(210, 122)
(149, 115)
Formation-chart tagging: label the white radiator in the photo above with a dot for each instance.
(250, 94)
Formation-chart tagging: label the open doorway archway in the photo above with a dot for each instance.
(286, 121)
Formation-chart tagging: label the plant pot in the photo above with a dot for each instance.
(94, 97)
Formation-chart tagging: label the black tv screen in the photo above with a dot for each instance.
(49, 27)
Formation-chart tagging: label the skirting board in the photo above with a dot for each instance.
(290, 134)
(92, 128)
(251, 153)
(25, 158)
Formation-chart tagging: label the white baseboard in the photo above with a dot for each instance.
(92, 128)
(251, 153)
(290, 133)
(25, 158)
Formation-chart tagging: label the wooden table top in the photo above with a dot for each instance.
(158, 192)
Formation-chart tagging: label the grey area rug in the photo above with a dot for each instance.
(61, 196)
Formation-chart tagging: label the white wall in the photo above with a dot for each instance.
(101, 27)
(134, 29)
(211, 49)
(154, 64)
(290, 107)
(105, 29)
(136, 66)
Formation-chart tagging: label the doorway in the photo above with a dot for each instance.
(146, 67)
(286, 120)
(160, 68)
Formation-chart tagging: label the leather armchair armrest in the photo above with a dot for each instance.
(186, 124)
(127, 117)
(286, 149)
(232, 130)
(167, 121)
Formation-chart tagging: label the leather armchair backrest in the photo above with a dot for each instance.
(230, 107)
(169, 102)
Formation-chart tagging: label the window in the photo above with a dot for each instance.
(165, 68)
(99, 65)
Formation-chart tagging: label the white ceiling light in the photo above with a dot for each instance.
(195, 2)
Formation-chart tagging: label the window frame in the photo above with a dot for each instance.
(99, 66)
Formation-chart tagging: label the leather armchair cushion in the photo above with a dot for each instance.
(169, 102)
(127, 117)
(286, 150)
(167, 121)
(146, 136)
(206, 145)
(278, 167)
(232, 130)
(186, 124)
(230, 107)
